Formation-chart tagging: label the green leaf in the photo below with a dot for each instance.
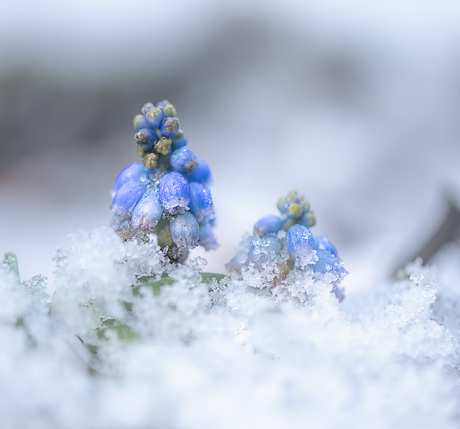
(208, 277)
(154, 284)
(166, 280)
(124, 332)
(11, 261)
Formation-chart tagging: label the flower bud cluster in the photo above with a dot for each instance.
(167, 193)
(284, 243)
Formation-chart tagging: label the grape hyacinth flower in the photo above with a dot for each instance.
(283, 244)
(167, 194)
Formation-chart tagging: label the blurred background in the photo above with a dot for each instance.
(355, 104)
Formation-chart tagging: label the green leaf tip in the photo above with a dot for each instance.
(11, 261)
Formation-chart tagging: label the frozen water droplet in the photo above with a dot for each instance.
(198, 263)
(36, 285)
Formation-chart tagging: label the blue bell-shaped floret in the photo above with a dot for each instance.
(323, 243)
(127, 197)
(267, 225)
(184, 231)
(147, 212)
(183, 160)
(300, 245)
(201, 202)
(135, 172)
(207, 239)
(202, 173)
(174, 193)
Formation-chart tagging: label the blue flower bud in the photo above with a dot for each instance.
(201, 174)
(207, 239)
(184, 231)
(328, 263)
(266, 225)
(179, 141)
(300, 244)
(154, 117)
(183, 160)
(147, 212)
(162, 104)
(179, 144)
(127, 197)
(135, 172)
(174, 193)
(170, 127)
(201, 202)
(282, 205)
(146, 107)
(146, 138)
(308, 219)
(139, 122)
(322, 243)
(169, 110)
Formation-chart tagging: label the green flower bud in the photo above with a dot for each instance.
(163, 146)
(151, 161)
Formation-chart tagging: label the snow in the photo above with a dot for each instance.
(229, 359)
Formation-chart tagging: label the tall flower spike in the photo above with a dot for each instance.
(155, 197)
